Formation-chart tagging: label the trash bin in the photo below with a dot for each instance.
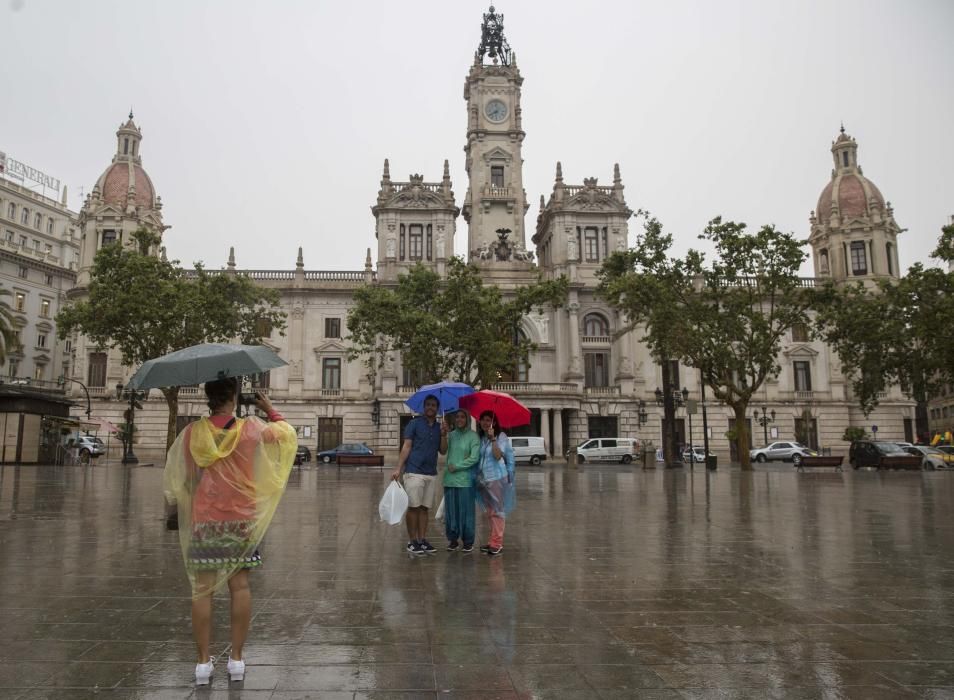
(649, 455)
(712, 462)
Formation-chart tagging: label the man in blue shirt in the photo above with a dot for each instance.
(424, 437)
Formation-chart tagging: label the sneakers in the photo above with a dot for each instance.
(410, 546)
(427, 547)
(203, 672)
(236, 670)
(467, 549)
(453, 546)
(485, 548)
(494, 551)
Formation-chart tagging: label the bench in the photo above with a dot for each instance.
(820, 461)
(906, 462)
(345, 460)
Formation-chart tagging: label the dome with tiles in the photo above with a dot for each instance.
(850, 194)
(126, 176)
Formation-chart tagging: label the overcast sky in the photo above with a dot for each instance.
(266, 123)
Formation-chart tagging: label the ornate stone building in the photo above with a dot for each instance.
(582, 380)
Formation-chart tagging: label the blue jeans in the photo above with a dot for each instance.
(459, 518)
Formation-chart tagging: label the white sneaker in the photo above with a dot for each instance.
(236, 670)
(203, 672)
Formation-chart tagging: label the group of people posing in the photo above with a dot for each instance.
(479, 469)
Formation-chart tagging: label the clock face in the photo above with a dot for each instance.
(496, 111)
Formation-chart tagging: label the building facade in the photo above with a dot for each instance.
(582, 380)
(39, 254)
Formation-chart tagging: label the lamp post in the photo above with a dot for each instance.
(667, 399)
(641, 415)
(705, 420)
(129, 415)
(764, 420)
(61, 380)
(692, 451)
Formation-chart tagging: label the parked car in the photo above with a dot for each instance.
(932, 458)
(784, 451)
(87, 447)
(904, 445)
(948, 449)
(606, 450)
(694, 454)
(303, 455)
(529, 449)
(881, 455)
(349, 448)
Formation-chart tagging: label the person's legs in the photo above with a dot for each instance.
(497, 523)
(466, 514)
(410, 519)
(421, 523)
(451, 514)
(241, 611)
(202, 615)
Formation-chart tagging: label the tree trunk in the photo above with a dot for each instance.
(670, 452)
(172, 401)
(742, 441)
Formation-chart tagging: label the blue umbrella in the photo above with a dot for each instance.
(448, 393)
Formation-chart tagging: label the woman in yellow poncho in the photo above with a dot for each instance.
(226, 475)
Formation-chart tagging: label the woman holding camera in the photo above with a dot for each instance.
(226, 475)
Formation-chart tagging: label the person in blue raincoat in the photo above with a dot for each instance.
(495, 475)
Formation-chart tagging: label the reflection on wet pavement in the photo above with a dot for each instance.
(615, 583)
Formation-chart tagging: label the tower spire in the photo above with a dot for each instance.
(493, 43)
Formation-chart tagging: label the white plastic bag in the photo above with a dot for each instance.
(439, 515)
(393, 504)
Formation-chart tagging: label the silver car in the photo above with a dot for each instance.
(781, 451)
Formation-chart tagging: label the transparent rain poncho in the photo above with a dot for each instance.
(496, 491)
(227, 483)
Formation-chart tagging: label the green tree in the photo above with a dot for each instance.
(8, 333)
(456, 328)
(147, 307)
(894, 332)
(726, 317)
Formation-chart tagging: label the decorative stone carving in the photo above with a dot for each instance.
(390, 246)
(298, 311)
(542, 324)
(571, 252)
(439, 242)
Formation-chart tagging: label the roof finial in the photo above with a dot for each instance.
(559, 172)
(300, 263)
(616, 178)
(231, 264)
(543, 204)
(446, 170)
(387, 170)
(367, 261)
(130, 113)
(842, 126)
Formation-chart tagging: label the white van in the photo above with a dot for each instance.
(528, 449)
(615, 449)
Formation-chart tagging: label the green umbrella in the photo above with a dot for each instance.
(203, 363)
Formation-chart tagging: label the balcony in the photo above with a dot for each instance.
(602, 391)
(537, 387)
(597, 341)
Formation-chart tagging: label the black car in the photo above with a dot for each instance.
(348, 448)
(303, 455)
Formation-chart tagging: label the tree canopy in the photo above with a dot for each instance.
(8, 328)
(455, 328)
(726, 317)
(146, 307)
(894, 332)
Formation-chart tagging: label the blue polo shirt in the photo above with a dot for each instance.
(426, 441)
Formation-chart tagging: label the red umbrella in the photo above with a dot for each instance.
(509, 412)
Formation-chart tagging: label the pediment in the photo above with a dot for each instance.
(498, 153)
(416, 198)
(801, 351)
(591, 200)
(330, 345)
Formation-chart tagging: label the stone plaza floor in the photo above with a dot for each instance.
(614, 583)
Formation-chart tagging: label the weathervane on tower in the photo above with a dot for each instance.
(493, 43)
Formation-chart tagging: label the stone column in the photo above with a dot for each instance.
(545, 427)
(295, 345)
(574, 371)
(557, 448)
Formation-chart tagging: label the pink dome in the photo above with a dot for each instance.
(115, 182)
(852, 192)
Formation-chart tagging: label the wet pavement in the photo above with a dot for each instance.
(614, 583)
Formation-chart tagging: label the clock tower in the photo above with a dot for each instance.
(495, 203)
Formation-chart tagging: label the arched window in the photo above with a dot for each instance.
(889, 252)
(12, 211)
(37, 221)
(823, 262)
(49, 225)
(25, 217)
(595, 326)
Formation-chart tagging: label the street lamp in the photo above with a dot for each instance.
(642, 416)
(669, 399)
(692, 451)
(134, 397)
(61, 380)
(764, 420)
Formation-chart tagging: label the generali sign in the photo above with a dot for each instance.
(21, 171)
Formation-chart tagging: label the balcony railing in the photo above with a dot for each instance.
(597, 340)
(536, 387)
(602, 391)
(804, 395)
